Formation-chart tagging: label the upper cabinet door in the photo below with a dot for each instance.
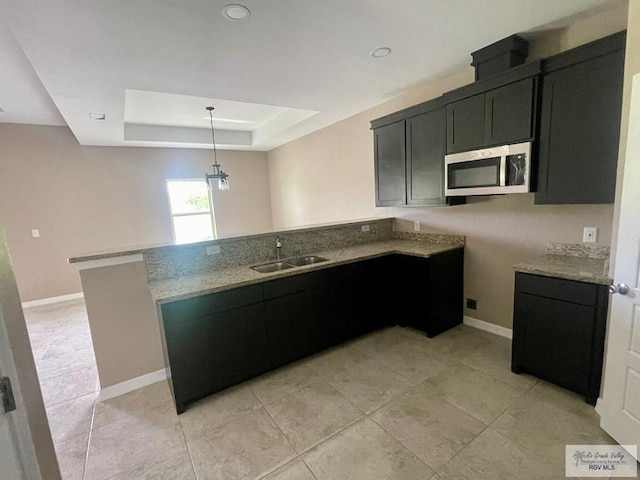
(425, 158)
(465, 124)
(500, 116)
(390, 164)
(509, 113)
(580, 131)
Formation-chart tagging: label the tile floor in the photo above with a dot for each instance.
(389, 405)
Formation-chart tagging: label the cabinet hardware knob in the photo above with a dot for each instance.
(621, 288)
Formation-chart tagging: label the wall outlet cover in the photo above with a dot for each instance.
(365, 228)
(590, 235)
(416, 226)
(213, 249)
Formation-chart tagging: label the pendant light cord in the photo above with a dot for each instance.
(213, 137)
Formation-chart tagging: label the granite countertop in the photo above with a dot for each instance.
(172, 289)
(581, 269)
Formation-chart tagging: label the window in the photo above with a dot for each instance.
(191, 212)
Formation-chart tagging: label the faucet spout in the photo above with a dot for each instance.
(278, 248)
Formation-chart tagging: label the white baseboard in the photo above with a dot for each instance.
(489, 327)
(50, 300)
(133, 384)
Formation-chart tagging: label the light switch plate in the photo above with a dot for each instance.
(35, 233)
(590, 235)
(416, 226)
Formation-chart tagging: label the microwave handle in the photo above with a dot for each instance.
(503, 170)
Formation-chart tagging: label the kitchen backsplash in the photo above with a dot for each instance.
(600, 252)
(177, 260)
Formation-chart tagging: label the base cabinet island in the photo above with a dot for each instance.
(209, 315)
(217, 340)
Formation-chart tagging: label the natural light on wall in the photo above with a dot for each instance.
(191, 211)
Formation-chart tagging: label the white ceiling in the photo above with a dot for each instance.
(294, 66)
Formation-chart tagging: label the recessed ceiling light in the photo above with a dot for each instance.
(235, 12)
(97, 116)
(381, 52)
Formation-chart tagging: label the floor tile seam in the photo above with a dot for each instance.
(344, 397)
(308, 467)
(463, 448)
(186, 446)
(443, 398)
(67, 372)
(495, 378)
(415, 454)
(306, 452)
(138, 461)
(295, 452)
(86, 456)
(377, 409)
(340, 430)
(533, 453)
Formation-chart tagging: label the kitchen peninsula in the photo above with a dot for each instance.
(127, 291)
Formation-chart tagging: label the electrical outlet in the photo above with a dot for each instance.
(590, 235)
(365, 228)
(471, 304)
(213, 249)
(416, 226)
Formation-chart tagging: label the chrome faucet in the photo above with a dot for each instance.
(278, 248)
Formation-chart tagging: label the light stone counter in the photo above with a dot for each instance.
(178, 288)
(571, 262)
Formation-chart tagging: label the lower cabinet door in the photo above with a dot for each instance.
(552, 340)
(290, 328)
(213, 352)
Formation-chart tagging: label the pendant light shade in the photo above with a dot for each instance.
(218, 174)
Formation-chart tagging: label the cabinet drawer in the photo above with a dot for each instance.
(212, 303)
(299, 283)
(571, 291)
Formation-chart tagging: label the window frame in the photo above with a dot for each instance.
(210, 212)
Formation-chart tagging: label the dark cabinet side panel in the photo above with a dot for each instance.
(425, 158)
(389, 159)
(580, 131)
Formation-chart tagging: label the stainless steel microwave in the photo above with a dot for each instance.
(490, 171)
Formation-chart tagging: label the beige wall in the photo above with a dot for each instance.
(328, 175)
(88, 198)
(124, 324)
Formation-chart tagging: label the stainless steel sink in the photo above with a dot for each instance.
(306, 260)
(288, 263)
(272, 267)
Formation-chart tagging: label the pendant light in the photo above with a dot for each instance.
(223, 178)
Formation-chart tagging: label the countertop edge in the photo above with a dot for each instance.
(527, 268)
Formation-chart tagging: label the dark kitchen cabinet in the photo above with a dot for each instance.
(425, 136)
(499, 116)
(580, 123)
(559, 331)
(390, 164)
(214, 341)
(409, 148)
(367, 288)
(305, 314)
(218, 340)
(431, 290)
